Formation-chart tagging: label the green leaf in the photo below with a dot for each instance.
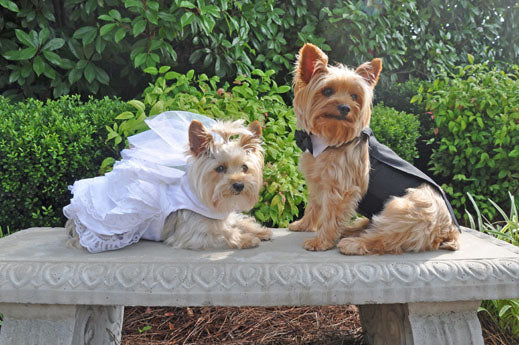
(105, 29)
(514, 153)
(171, 75)
(107, 165)
(28, 53)
(139, 27)
(167, 17)
(66, 64)
(115, 14)
(106, 18)
(157, 108)
(25, 38)
(164, 69)
(52, 58)
(504, 309)
(283, 89)
(11, 6)
(87, 34)
(502, 174)
(470, 58)
(153, 5)
(140, 59)
(125, 115)
(151, 70)
(119, 35)
(49, 72)
(89, 73)
(43, 36)
(54, 44)
(12, 55)
(133, 3)
(102, 76)
(213, 10)
(100, 45)
(74, 75)
(187, 4)
(38, 65)
(137, 105)
(186, 19)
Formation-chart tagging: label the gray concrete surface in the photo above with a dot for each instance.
(37, 268)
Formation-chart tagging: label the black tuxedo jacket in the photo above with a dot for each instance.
(389, 176)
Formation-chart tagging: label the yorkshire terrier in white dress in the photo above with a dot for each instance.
(223, 176)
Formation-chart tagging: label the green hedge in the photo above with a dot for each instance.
(398, 96)
(44, 147)
(476, 112)
(396, 129)
(101, 47)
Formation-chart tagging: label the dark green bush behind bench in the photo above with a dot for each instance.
(44, 147)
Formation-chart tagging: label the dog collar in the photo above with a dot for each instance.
(316, 144)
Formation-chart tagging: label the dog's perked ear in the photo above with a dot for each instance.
(311, 60)
(255, 128)
(199, 138)
(370, 71)
(252, 142)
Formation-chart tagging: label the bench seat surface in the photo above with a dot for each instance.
(37, 267)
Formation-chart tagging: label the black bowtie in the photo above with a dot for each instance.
(304, 141)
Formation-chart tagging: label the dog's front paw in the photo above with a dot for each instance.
(314, 244)
(248, 241)
(299, 226)
(264, 234)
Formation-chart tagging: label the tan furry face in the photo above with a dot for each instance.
(227, 176)
(333, 101)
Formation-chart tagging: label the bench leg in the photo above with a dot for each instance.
(60, 324)
(449, 323)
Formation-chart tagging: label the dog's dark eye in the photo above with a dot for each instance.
(244, 168)
(327, 91)
(354, 97)
(220, 169)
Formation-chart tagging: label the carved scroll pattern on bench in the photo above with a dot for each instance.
(209, 276)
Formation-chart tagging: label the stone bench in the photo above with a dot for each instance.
(51, 294)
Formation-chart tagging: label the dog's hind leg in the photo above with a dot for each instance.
(417, 221)
(248, 225)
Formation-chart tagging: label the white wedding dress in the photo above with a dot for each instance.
(149, 182)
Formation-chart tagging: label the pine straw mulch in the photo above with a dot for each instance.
(242, 325)
(256, 325)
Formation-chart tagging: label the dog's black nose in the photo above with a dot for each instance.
(237, 187)
(343, 109)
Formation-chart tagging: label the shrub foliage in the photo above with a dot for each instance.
(396, 129)
(101, 47)
(44, 147)
(477, 115)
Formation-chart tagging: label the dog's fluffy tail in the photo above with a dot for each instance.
(418, 221)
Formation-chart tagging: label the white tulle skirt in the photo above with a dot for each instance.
(133, 200)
